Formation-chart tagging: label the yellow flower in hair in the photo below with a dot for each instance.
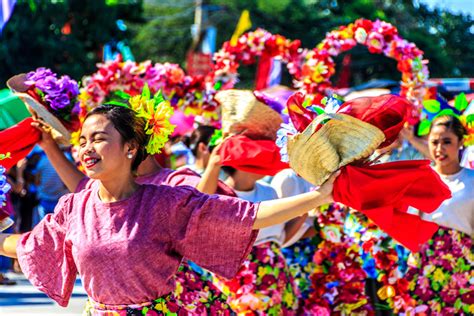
(157, 113)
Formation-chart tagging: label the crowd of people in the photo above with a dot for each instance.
(231, 229)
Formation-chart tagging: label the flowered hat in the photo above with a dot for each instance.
(243, 113)
(51, 99)
(348, 134)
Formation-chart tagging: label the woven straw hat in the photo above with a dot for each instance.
(316, 154)
(37, 110)
(243, 114)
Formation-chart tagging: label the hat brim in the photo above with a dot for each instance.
(315, 155)
(243, 114)
(38, 110)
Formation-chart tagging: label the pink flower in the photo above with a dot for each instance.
(375, 43)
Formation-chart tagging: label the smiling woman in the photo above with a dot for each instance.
(107, 232)
(445, 142)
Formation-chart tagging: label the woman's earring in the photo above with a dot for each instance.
(129, 155)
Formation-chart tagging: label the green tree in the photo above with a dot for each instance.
(66, 36)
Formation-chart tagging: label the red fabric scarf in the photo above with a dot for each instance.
(18, 140)
(383, 193)
(255, 156)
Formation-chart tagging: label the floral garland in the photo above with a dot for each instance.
(383, 260)
(338, 280)
(58, 95)
(379, 37)
(250, 46)
(192, 94)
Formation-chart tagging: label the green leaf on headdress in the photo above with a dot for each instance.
(432, 106)
(158, 98)
(117, 103)
(216, 138)
(218, 85)
(447, 112)
(122, 95)
(470, 118)
(424, 128)
(460, 102)
(146, 91)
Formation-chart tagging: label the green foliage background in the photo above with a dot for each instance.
(160, 30)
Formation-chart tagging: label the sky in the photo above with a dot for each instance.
(456, 6)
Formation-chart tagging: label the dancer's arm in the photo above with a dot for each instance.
(282, 210)
(66, 170)
(8, 244)
(210, 177)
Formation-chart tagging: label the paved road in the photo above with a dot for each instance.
(23, 299)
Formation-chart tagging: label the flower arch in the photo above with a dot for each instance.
(249, 46)
(379, 37)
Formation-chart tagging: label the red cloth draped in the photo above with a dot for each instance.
(383, 193)
(256, 156)
(387, 112)
(18, 140)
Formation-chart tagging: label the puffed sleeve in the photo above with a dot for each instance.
(214, 231)
(45, 255)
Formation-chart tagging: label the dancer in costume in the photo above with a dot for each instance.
(126, 240)
(263, 285)
(441, 273)
(194, 291)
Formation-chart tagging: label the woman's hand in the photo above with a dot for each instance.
(326, 189)
(47, 140)
(215, 157)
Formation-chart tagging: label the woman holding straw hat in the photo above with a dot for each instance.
(127, 240)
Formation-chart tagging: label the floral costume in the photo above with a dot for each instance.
(194, 292)
(441, 275)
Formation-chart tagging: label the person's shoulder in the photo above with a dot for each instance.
(167, 191)
(468, 173)
(266, 189)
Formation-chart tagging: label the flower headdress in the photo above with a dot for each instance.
(439, 107)
(156, 111)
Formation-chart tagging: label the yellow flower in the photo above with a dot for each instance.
(288, 298)
(439, 276)
(386, 292)
(157, 118)
(75, 137)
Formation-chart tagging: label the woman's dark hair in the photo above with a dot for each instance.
(202, 134)
(129, 126)
(452, 123)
